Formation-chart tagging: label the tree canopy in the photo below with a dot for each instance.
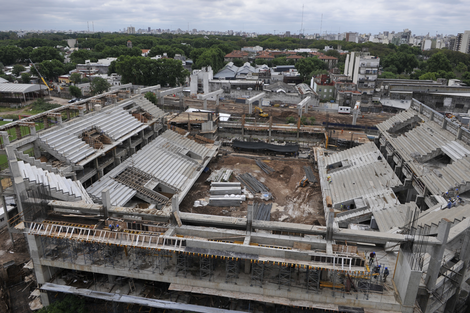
(99, 85)
(307, 66)
(146, 71)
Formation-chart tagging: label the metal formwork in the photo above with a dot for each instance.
(232, 269)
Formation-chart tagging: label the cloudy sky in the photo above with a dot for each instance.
(261, 16)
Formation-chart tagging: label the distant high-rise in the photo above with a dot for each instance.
(462, 42)
(131, 30)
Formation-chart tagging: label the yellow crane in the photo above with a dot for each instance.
(43, 80)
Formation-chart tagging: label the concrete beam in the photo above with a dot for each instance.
(303, 104)
(253, 99)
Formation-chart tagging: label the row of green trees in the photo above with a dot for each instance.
(397, 61)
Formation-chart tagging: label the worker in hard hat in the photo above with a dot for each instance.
(386, 273)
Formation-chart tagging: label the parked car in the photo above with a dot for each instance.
(72, 100)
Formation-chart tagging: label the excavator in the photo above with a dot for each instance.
(260, 112)
(42, 78)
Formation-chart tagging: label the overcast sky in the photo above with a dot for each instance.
(261, 16)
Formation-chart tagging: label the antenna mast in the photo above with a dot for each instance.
(302, 23)
(321, 23)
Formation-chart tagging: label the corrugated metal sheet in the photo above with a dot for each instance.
(20, 88)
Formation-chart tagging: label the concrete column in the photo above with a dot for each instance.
(465, 257)
(459, 133)
(5, 138)
(249, 217)
(329, 226)
(37, 151)
(444, 123)
(205, 104)
(270, 126)
(32, 130)
(81, 112)
(42, 275)
(431, 116)
(247, 266)
(59, 119)
(217, 101)
(398, 171)
(161, 101)
(436, 252)
(250, 108)
(45, 122)
(106, 202)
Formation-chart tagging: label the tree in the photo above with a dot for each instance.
(213, 57)
(11, 55)
(461, 68)
(75, 91)
(387, 75)
(75, 78)
(333, 53)
(307, 66)
(45, 53)
(438, 62)
(25, 78)
(17, 69)
(238, 62)
(99, 85)
(150, 72)
(151, 97)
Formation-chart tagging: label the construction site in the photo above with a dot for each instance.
(137, 209)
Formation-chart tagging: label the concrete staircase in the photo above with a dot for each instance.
(399, 121)
(149, 107)
(33, 161)
(60, 187)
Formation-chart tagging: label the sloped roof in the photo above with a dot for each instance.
(20, 88)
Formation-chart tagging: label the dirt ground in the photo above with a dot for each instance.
(290, 202)
(280, 114)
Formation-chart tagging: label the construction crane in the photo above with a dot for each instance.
(43, 80)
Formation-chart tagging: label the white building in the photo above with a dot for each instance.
(199, 80)
(363, 69)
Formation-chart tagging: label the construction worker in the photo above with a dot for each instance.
(371, 258)
(111, 226)
(386, 273)
(376, 271)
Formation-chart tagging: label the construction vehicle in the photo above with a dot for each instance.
(303, 182)
(42, 78)
(260, 112)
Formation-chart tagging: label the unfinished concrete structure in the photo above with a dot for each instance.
(246, 264)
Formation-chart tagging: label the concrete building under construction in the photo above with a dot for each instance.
(101, 217)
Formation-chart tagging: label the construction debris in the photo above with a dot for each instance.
(264, 167)
(222, 175)
(252, 184)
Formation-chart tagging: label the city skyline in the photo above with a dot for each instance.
(421, 17)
